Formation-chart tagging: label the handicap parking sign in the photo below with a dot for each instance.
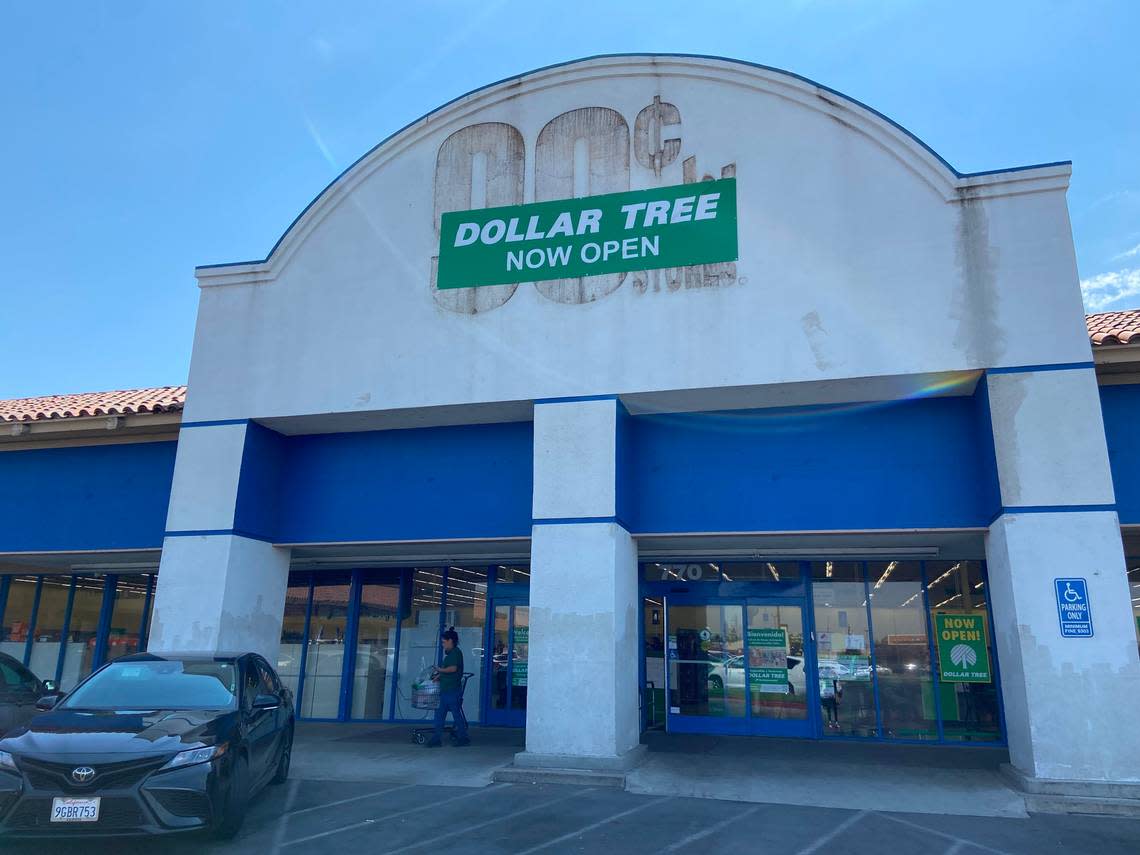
(1073, 608)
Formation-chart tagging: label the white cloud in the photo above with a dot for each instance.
(1102, 290)
(1128, 253)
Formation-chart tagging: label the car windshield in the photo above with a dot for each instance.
(158, 684)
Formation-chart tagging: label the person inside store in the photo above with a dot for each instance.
(449, 675)
(829, 694)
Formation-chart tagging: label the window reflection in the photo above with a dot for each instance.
(902, 650)
(124, 634)
(843, 649)
(970, 711)
(16, 625)
(48, 631)
(82, 631)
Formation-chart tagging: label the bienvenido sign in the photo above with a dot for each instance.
(639, 230)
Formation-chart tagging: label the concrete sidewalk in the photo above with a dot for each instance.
(385, 752)
(903, 778)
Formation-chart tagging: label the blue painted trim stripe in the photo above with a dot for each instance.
(215, 423)
(574, 400)
(581, 521)
(215, 532)
(1032, 369)
(1051, 509)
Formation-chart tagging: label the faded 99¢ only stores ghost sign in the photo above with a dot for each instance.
(640, 230)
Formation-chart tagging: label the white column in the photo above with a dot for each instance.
(1069, 702)
(217, 590)
(582, 697)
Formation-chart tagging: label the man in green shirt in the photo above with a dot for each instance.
(450, 677)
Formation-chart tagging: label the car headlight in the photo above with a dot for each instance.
(195, 756)
(7, 761)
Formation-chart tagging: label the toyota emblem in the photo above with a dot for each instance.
(82, 774)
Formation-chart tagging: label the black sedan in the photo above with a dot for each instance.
(19, 691)
(149, 744)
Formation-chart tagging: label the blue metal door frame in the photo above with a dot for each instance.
(511, 597)
(718, 592)
(748, 724)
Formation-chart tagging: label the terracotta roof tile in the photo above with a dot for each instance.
(124, 402)
(1114, 327)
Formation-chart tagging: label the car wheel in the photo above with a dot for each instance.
(716, 683)
(284, 760)
(237, 796)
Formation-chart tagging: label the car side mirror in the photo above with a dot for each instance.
(48, 702)
(266, 702)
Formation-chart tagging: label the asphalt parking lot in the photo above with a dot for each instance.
(323, 816)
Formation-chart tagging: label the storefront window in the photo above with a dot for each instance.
(419, 637)
(127, 617)
(654, 662)
(902, 650)
(82, 631)
(843, 649)
(18, 616)
(324, 659)
(467, 612)
(512, 575)
(375, 649)
(48, 630)
(704, 644)
(293, 634)
(956, 592)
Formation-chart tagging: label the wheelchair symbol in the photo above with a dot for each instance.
(1070, 595)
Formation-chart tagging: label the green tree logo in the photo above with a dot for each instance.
(963, 655)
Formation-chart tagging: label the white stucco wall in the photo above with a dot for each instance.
(220, 593)
(203, 494)
(860, 255)
(1069, 702)
(582, 698)
(1049, 439)
(575, 459)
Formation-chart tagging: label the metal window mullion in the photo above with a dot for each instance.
(348, 661)
(405, 578)
(32, 620)
(935, 667)
(106, 610)
(64, 632)
(304, 650)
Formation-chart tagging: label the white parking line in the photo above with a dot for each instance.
(588, 828)
(391, 789)
(283, 822)
(831, 835)
(944, 835)
(469, 828)
(700, 835)
(385, 817)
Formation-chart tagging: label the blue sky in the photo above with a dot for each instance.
(142, 139)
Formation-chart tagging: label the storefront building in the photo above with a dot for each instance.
(695, 395)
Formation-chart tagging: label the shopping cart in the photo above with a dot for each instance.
(429, 700)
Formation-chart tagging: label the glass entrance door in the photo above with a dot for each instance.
(508, 663)
(778, 688)
(737, 667)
